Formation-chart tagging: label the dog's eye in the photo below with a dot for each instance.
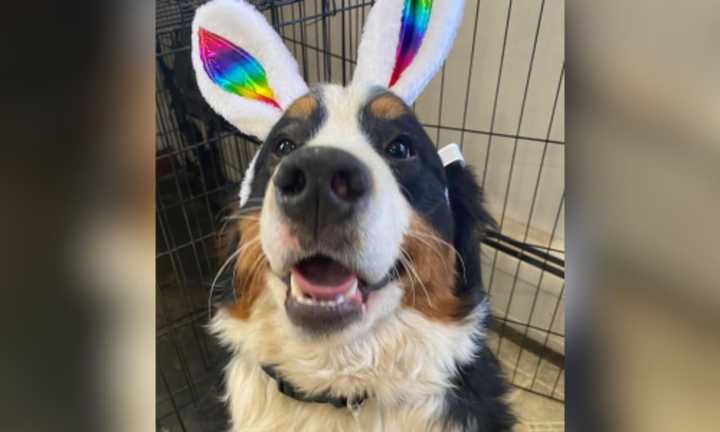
(398, 149)
(285, 147)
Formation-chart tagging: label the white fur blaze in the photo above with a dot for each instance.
(246, 185)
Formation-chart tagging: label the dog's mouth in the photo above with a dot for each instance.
(321, 281)
(324, 295)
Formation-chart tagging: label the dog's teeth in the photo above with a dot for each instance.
(294, 288)
(353, 289)
(339, 299)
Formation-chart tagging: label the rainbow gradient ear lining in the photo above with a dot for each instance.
(234, 69)
(404, 43)
(415, 19)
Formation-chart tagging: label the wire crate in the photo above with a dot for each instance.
(499, 95)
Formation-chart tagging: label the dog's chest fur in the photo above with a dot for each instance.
(257, 405)
(405, 365)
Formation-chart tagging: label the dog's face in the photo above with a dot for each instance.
(352, 219)
(345, 214)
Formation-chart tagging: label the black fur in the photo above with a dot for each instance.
(422, 178)
(470, 220)
(477, 399)
(476, 402)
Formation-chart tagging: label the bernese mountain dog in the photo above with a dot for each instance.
(356, 301)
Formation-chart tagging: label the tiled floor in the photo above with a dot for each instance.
(537, 413)
(524, 368)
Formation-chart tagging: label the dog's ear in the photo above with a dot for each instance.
(405, 42)
(471, 220)
(243, 69)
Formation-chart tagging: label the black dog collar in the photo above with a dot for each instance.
(290, 391)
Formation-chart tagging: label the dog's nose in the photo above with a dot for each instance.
(321, 185)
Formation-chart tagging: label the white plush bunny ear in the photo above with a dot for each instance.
(405, 42)
(243, 69)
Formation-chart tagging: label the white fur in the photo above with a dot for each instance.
(381, 226)
(387, 218)
(246, 185)
(241, 24)
(376, 52)
(405, 362)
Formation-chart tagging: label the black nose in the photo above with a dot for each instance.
(316, 186)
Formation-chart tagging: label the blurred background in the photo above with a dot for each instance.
(643, 205)
(499, 96)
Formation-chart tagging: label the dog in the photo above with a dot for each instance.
(356, 300)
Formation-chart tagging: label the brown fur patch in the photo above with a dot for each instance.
(430, 287)
(302, 108)
(388, 106)
(251, 266)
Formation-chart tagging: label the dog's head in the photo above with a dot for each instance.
(346, 213)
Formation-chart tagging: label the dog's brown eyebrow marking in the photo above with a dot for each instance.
(388, 106)
(302, 108)
(429, 286)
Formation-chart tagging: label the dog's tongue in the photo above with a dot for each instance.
(323, 278)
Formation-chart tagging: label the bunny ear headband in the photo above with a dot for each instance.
(248, 76)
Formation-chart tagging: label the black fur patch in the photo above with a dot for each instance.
(470, 220)
(421, 178)
(423, 181)
(476, 401)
